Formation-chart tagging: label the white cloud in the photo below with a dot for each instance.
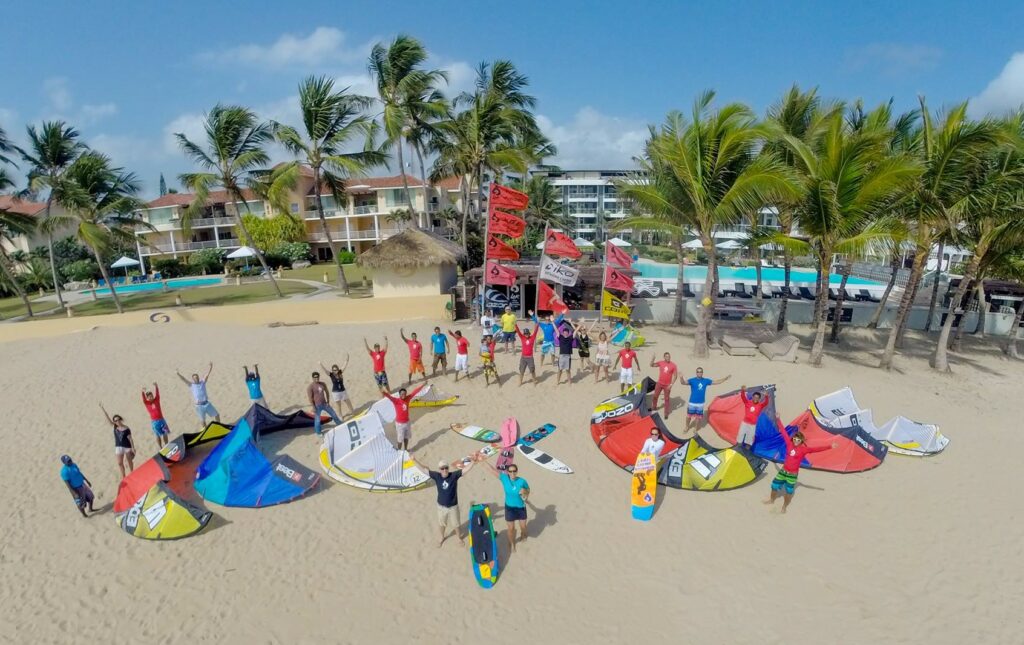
(92, 113)
(126, 150)
(57, 93)
(1004, 92)
(461, 76)
(593, 140)
(323, 47)
(190, 124)
(60, 104)
(893, 59)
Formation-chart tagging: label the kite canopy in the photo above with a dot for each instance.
(837, 404)
(908, 437)
(159, 514)
(378, 467)
(726, 412)
(430, 397)
(262, 421)
(621, 425)
(857, 450)
(138, 482)
(696, 465)
(176, 449)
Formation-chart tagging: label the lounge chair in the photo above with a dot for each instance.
(865, 296)
(782, 349)
(848, 295)
(806, 293)
(775, 292)
(741, 290)
(735, 346)
(687, 293)
(833, 293)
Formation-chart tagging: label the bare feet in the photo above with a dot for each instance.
(767, 501)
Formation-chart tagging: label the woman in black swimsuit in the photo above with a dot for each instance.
(583, 343)
(338, 392)
(124, 445)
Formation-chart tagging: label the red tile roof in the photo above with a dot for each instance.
(449, 183)
(22, 207)
(184, 199)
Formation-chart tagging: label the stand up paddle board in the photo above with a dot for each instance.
(476, 432)
(537, 435)
(644, 486)
(543, 459)
(483, 545)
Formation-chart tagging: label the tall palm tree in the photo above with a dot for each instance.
(12, 225)
(331, 121)
(544, 209)
(233, 158)
(848, 179)
(1011, 267)
(52, 149)
(101, 201)
(705, 172)
(425, 112)
(402, 86)
(948, 148)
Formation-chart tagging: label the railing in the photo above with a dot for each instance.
(615, 215)
(355, 236)
(328, 212)
(175, 224)
(365, 210)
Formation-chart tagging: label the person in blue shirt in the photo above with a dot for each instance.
(548, 327)
(252, 382)
(77, 483)
(698, 395)
(439, 347)
(517, 491)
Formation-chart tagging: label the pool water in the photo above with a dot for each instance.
(696, 274)
(180, 283)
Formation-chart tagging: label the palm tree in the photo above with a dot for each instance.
(848, 179)
(544, 209)
(405, 90)
(704, 172)
(425, 112)
(235, 141)
(51, 150)
(102, 204)
(12, 225)
(1011, 267)
(948, 148)
(331, 120)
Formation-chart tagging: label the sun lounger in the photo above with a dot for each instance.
(833, 293)
(687, 293)
(806, 293)
(847, 295)
(866, 296)
(734, 346)
(783, 349)
(741, 290)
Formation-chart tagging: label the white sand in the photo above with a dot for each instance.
(915, 551)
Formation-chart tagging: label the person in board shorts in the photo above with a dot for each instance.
(698, 395)
(337, 376)
(784, 482)
(200, 399)
(151, 400)
(78, 484)
(603, 357)
(316, 394)
(439, 347)
(253, 384)
(527, 341)
(124, 445)
(446, 478)
(565, 342)
(517, 492)
(752, 407)
(508, 329)
(666, 377)
(403, 426)
(415, 355)
(627, 355)
(461, 353)
(380, 375)
(547, 326)
(490, 369)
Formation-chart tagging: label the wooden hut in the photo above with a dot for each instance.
(412, 263)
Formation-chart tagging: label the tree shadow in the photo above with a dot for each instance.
(427, 440)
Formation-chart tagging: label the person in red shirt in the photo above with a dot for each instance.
(415, 355)
(784, 482)
(752, 407)
(527, 340)
(403, 427)
(627, 356)
(377, 356)
(666, 377)
(461, 353)
(152, 402)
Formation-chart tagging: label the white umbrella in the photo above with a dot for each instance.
(581, 242)
(618, 241)
(124, 263)
(242, 252)
(729, 245)
(693, 244)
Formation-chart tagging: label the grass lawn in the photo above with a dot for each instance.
(206, 296)
(353, 273)
(10, 307)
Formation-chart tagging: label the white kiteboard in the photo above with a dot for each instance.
(476, 432)
(544, 460)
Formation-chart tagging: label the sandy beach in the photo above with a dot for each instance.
(918, 550)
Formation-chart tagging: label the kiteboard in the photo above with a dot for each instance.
(483, 545)
(476, 432)
(645, 486)
(537, 435)
(484, 453)
(509, 437)
(544, 460)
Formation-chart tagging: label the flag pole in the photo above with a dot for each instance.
(543, 252)
(487, 238)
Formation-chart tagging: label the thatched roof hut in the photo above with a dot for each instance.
(412, 263)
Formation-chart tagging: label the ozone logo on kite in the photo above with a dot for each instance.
(611, 414)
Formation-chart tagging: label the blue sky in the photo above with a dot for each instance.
(129, 75)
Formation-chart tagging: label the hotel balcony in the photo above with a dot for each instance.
(205, 222)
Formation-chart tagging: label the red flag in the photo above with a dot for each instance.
(560, 244)
(548, 300)
(506, 223)
(498, 250)
(615, 279)
(505, 197)
(617, 256)
(497, 274)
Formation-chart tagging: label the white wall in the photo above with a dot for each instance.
(426, 281)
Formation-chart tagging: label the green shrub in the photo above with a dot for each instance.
(81, 270)
(169, 267)
(346, 257)
(294, 251)
(210, 260)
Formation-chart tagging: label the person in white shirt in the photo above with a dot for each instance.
(486, 325)
(654, 444)
(200, 400)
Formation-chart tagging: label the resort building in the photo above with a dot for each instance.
(589, 201)
(25, 243)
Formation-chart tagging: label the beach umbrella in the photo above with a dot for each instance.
(242, 252)
(618, 241)
(582, 243)
(124, 263)
(729, 245)
(693, 244)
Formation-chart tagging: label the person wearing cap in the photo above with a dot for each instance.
(78, 484)
(446, 477)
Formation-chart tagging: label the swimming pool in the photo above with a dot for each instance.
(696, 274)
(180, 283)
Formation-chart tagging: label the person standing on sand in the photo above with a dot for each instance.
(380, 375)
(415, 355)
(603, 358)
(461, 353)
(517, 492)
(666, 377)
(439, 347)
(486, 325)
(156, 415)
(446, 478)
(583, 343)
(508, 329)
(627, 356)
(784, 482)
(316, 393)
(252, 382)
(752, 407)
(547, 327)
(200, 399)
(654, 444)
(403, 426)
(527, 342)
(698, 395)
(124, 445)
(78, 484)
(490, 369)
(565, 343)
(338, 393)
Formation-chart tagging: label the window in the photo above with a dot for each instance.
(294, 208)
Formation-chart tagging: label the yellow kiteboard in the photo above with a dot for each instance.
(645, 486)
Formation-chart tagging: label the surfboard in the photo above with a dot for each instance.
(476, 432)
(484, 453)
(509, 437)
(538, 434)
(544, 460)
(644, 486)
(483, 545)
